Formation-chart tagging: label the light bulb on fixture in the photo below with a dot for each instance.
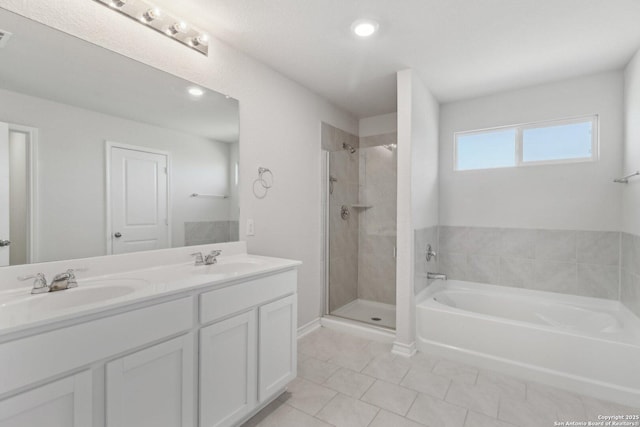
(364, 27)
(118, 3)
(178, 27)
(201, 39)
(150, 15)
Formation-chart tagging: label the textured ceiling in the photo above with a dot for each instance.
(460, 48)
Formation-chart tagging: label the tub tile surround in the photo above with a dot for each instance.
(630, 272)
(427, 391)
(575, 262)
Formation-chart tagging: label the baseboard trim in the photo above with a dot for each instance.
(309, 327)
(404, 350)
(359, 329)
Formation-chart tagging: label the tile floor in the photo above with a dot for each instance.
(347, 381)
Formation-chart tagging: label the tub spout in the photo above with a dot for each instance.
(436, 276)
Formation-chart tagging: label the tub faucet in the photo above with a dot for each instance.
(431, 254)
(436, 276)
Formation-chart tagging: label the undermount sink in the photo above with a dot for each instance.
(87, 292)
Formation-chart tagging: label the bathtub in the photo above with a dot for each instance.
(586, 345)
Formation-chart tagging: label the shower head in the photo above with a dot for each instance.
(348, 147)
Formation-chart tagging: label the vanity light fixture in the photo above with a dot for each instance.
(170, 25)
(364, 27)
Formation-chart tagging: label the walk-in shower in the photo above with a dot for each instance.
(360, 226)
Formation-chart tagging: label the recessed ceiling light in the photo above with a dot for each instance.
(364, 27)
(195, 91)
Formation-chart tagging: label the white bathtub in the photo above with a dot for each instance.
(586, 345)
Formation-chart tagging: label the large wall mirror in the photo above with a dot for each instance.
(100, 154)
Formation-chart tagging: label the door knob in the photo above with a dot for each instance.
(117, 235)
(4, 243)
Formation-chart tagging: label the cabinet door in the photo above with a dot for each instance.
(153, 387)
(63, 403)
(228, 370)
(277, 346)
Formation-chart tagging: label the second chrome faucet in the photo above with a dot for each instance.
(210, 259)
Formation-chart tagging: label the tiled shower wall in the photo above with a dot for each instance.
(574, 262)
(343, 234)
(630, 272)
(377, 236)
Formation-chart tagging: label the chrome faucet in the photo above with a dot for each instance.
(431, 254)
(436, 276)
(212, 257)
(199, 258)
(64, 281)
(60, 281)
(207, 260)
(39, 283)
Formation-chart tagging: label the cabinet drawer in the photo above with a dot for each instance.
(232, 299)
(79, 345)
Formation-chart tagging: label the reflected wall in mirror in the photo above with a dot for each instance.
(100, 154)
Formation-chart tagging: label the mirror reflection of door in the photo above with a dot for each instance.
(139, 199)
(15, 212)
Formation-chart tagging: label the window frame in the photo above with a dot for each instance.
(519, 142)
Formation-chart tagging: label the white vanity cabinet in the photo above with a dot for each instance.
(152, 387)
(246, 357)
(62, 403)
(277, 343)
(228, 362)
(208, 357)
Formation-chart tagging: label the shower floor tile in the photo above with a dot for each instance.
(366, 311)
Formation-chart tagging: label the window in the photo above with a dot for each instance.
(561, 141)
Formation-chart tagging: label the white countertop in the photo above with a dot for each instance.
(19, 310)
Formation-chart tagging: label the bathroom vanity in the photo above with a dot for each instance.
(168, 344)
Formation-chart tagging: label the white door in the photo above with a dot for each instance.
(228, 370)
(276, 346)
(153, 387)
(139, 200)
(4, 194)
(63, 403)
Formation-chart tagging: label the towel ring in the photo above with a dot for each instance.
(261, 177)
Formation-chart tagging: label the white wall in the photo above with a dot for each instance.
(378, 125)
(279, 129)
(631, 191)
(570, 196)
(417, 192)
(71, 173)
